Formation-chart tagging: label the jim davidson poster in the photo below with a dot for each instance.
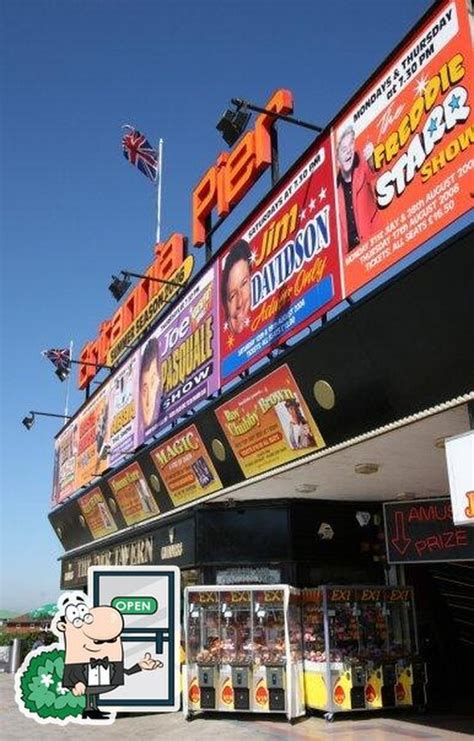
(282, 271)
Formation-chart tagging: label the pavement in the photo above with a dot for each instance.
(387, 727)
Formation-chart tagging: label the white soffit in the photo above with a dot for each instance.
(409, 461)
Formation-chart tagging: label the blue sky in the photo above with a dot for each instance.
(73, 211)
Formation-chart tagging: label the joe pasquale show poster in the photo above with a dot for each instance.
(403, 152)
(282, 271)
(187, 356)
(123, 411)
(269, 424)
(133, 494)
(97, 513)
(92, 439)
(185, 467)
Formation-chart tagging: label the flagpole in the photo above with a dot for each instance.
(66, 401)
(158, 191)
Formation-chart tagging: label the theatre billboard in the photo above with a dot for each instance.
(281, 271)
(403, 151)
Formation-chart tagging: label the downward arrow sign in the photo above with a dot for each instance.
(400, 541)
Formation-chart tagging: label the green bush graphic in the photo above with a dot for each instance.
(42, 692)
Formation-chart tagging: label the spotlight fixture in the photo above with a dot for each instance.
(245, 105)
(29, 420)
(366, 468)
(120, 286)
(232, 124)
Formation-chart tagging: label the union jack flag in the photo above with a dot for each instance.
(138, 151)
(60, 358)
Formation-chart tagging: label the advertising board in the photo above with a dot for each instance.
(97, 514)
(269, 424)
(92, 439)
(64, 472)
(281, 272)
(460, 463)
(133, 494)
(403, 151)
(424, 531)
(179, 364)
(186, 467)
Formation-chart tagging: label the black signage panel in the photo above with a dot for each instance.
(172, 544)
(423, 531)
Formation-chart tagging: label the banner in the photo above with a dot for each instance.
(64, 473)
(92, 439)
(282, 271)
(186, 467)
(179, 363)
(133, 494)
(123, 410)
(97, 513)
(460, 463)
(269, 424)
(403, 153)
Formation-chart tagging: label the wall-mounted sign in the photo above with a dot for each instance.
(248, 575)
(176, 543)
(132, 553)
(92, 439)
(269, 423)
(123, 411)
(179, 363)
(460, 461)
(97, 513)
(423, 530)
(64, 473)
(281, 272)
(403, 151)
(133, 494)
(186, 467)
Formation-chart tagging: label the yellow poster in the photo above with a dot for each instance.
(269, 424)
(133, 494)
(97, 513)
(186, 467)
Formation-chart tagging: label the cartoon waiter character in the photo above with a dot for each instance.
(93, 662)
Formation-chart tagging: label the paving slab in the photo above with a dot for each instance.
(242, 727)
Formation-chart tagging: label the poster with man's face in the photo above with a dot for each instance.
(403, 152)
(281, 271)
(179, 363)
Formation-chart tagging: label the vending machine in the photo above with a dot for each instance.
(243, 650)
(360, 649)
(148, 599)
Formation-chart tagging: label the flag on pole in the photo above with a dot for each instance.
(60, 357)
(139, 152)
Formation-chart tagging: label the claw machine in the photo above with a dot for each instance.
(360, 649)
(243, 649)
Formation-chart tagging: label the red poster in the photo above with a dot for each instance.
(404, 151)
(281, 271)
